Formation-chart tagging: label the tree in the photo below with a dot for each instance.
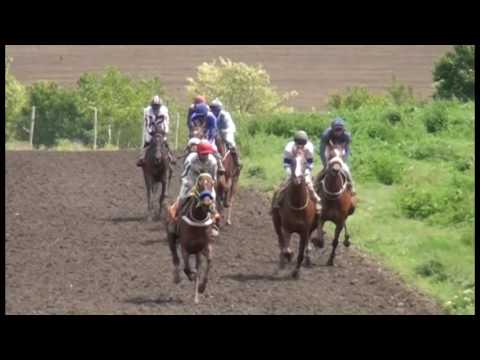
(57, 113)
(454, 74)
(242, 88)
(15, 100)
(119, 100)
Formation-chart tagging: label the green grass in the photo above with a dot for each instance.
(416, 189)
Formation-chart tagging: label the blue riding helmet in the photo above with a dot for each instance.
(338, 123)
(201, 109)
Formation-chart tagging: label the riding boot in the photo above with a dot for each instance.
(350, 183)
(318, 200)
(141, 158)
(221, 168)
(235, 157)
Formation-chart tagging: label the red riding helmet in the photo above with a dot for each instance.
(204, 149)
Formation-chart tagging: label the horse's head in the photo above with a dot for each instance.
(205, 185)
(335, 154)
(158, 140)
(298, 167)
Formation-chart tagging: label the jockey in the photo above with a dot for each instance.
(201, 162)
(204, 117)
(191, 150)
(199, 99)
(226, 127)
(300, 142)
(337, 134)
(155, 118)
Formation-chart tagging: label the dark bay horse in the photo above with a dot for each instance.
(296, 215)
(156, 169)
(227, 184)
(338, 203)
(193, 231)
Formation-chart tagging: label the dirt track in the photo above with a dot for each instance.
(315, 71)
(77, 243)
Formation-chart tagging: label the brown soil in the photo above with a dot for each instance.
(314, 71)
(77, 242)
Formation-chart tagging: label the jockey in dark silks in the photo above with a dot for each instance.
(337, 135)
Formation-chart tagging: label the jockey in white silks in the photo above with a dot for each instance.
(225, 128)
(155, 118)
(300, 142)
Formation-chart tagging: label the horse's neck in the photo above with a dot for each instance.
(198, 213)
(333, 183)
(297, 194)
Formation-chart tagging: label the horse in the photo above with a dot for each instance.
(156, 169)
(193, 231)
(198, 129)
(227, 184)
(338, 203)
(296, 214)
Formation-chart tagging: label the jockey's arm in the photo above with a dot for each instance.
(211, 128)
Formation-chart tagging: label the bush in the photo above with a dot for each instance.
(435, 118)
(432, 268)
(241, 87)
(15, 100)
(354, 98)
(387, 169)
(400, 93)
(420, 203)
(454, 74)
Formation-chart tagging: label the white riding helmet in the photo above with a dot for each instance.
(193, 141)
(216, 103)
(156, 100)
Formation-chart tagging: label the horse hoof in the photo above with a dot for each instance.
(176, 279)
(330, 262)
(308, 262)
(202, 287)
(295, 274)
(229, 222)
(289, 256)
(346, 243)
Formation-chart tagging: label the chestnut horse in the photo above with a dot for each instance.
(227, 184)
(193, 231)
(338, 203)
(296, 214)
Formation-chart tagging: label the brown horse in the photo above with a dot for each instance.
(193, 231)
(296, 215)
(156, 170)
(338, 203)
(227, 184)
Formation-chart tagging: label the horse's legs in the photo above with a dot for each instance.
(148, 187)
(320, 243)
(176, 260)
(301, 250)
(338, 230)
(162, 197)
(288, 253)
(277, 224)
(229, 216)
(197, 273)
(208, 255)
(308, 261)
(346, 239)
(186, 264)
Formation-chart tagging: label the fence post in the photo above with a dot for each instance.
(176, 131)
(95, 125)
(32, 126)
(110, 133)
